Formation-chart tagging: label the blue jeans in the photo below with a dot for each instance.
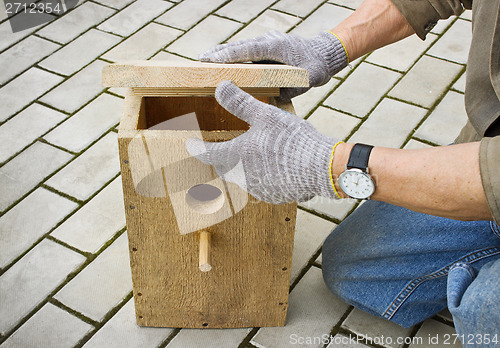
(406, 267)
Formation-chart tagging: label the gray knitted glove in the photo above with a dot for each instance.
(323, 56)
(284, 159)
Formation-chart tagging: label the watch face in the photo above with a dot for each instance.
(356, 184)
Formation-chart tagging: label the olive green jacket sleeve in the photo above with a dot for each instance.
(489, 167)
(422, 15)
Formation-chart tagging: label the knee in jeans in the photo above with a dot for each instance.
(337, 257)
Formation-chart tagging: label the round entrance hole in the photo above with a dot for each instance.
(205, 198)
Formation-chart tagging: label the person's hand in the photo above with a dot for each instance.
(284, 159)
(322, 56)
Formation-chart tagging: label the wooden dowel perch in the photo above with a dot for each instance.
(204, 263)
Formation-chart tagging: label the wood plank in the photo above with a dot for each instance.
(198, 91)
(156, 74)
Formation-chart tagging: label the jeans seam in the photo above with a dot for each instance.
(414, 284)
(463, 266)
(495, 228)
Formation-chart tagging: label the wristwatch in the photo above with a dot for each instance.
(356, 181)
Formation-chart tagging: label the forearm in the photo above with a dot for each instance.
(443, 181)
(374, 24)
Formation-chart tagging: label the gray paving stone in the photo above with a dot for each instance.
(312, 312)
(297, 7)
(75, 22)
(467, 14)
(188, 12)
(335, 208)
(243, 10)
(376, 330)
(90, 171)
(319, 260)
(29, 220)
(3, 12)
(122, 331)
(32, 279)
(347, 3)
(96, 222)
(401, 55)
(342, 74)
(454, 44)
(227, 338)
(120, 91)
(269, 20)
(162, 55)
(49, 327)
(304, 103)
(460, 84)
(118, 4)
(390, 124)
(415, 144)
(143, 44)
(9, 38)
(210, 32)
(25, 171)
(102, 285)
(446, 121)
(367, 83)
(426, 81)
(130, 19)
(24, 128)
(442, 25)
(88, 124)
(333, 123)
(80, 52)
(434, 334)
(24, 89)
(326, 17)
(23, 55)
(310, 233)
(343, 341)
(77, 90)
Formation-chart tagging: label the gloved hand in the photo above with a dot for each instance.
(322, 56)
(284, 158)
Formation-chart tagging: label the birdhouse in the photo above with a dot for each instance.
(203, 252)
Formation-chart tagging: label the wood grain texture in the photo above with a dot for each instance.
(250, 248)
(199, 91)
(167, 74)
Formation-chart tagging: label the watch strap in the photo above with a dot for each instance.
(360, 154)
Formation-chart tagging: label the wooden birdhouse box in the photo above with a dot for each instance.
(203, 253)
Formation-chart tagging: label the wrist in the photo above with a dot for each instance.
(327, 169)
(339, 162)
(332, 51)
(349, 45)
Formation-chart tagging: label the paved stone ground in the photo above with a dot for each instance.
(64, 274)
